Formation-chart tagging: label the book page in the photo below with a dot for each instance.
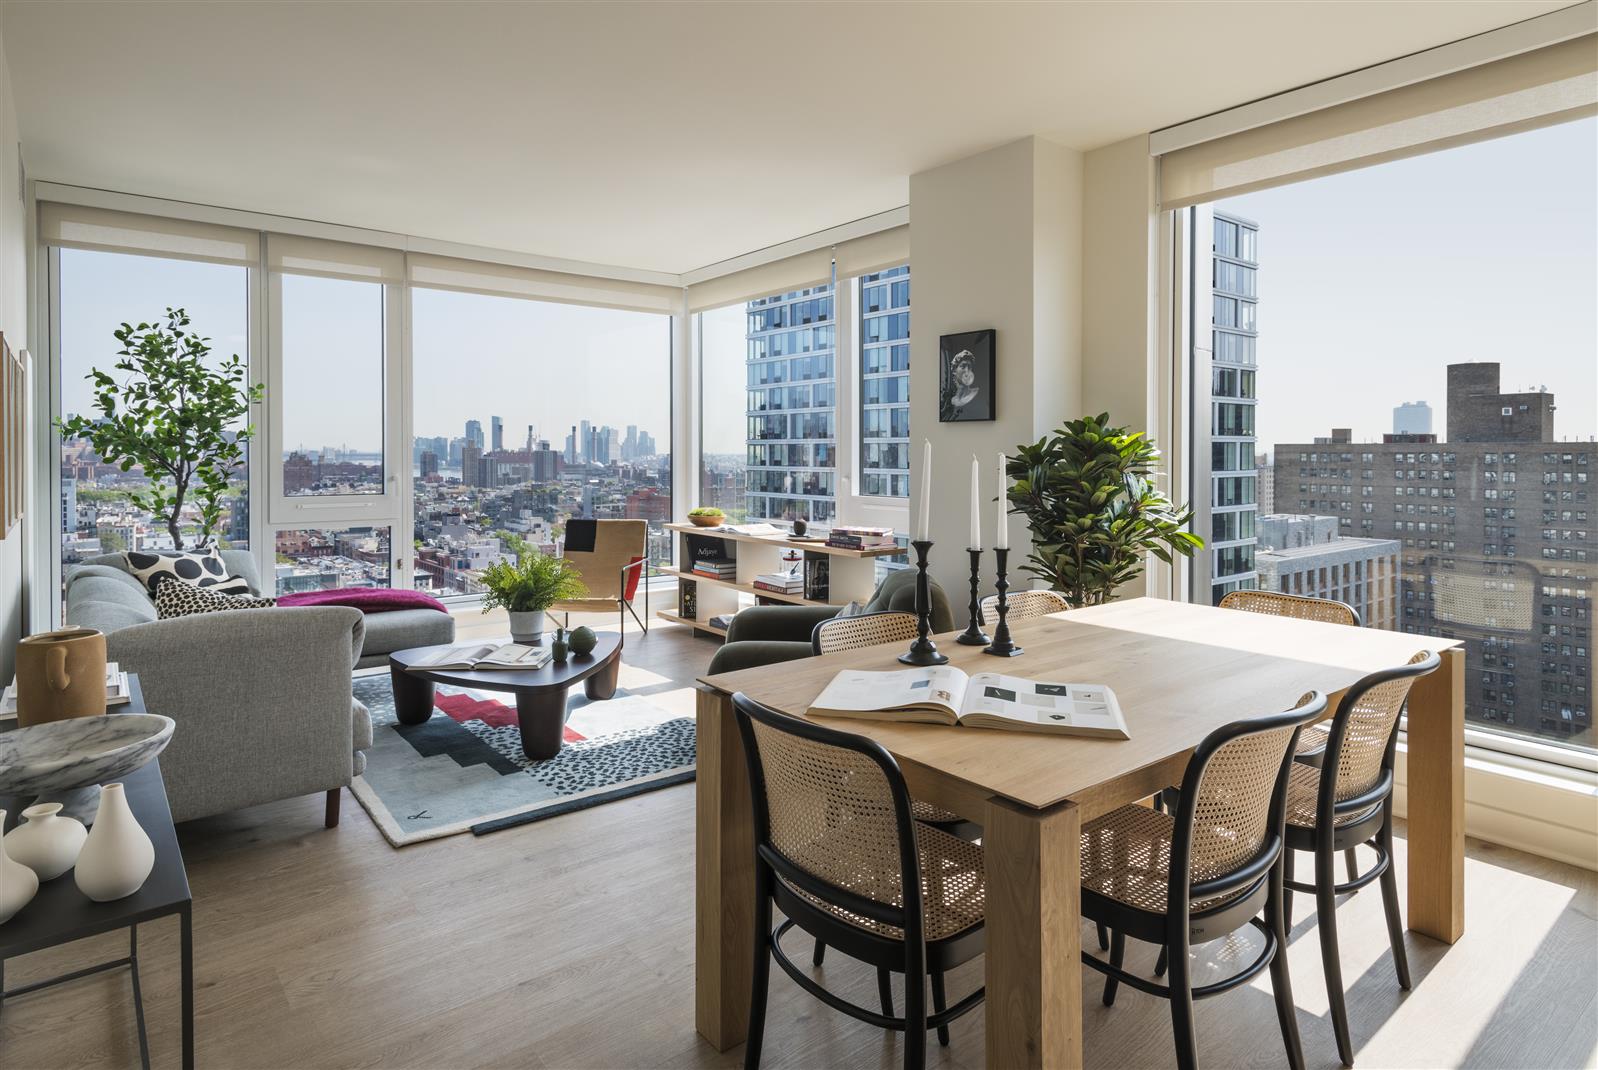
(863, 690)
(1085, 706)
(460, 655)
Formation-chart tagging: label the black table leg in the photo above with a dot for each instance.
(602, 684)
(186, 920)
(542, 715)
(138, 996)
(413, 696)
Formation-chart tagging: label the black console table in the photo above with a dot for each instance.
(60, 913)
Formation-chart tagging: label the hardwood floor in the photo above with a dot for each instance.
(569, 943)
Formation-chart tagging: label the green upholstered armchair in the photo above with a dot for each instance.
(765, 635)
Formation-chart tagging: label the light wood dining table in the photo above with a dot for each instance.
(1179, 671)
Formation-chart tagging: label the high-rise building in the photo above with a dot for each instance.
(1233, 477)
(474, 434)
(885, 383)
(471, 467)
(1497, 544)
(1412, 418)
(497, 430)
(1306, 555)
(1266, 482)
(792, 445)
(585, 442)
(429, 464)
(571, 446)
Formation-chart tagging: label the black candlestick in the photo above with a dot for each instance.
(923, 651)
(973, 634)
(1001, 645)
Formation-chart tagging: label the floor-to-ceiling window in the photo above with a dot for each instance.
(884, 430)
(792, 409)
(720, 338)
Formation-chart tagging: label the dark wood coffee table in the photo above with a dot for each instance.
(540, 694)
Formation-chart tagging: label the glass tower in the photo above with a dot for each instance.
(792, 411)
(1233, 465)
(885, 383)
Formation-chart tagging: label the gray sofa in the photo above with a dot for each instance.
(261, 698)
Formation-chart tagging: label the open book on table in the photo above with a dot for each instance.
(943, 694)
(487, 656)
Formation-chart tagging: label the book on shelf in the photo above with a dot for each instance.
(860, 542)
(724, 570)
(721, 620)
(117, 690)
(781, 579)
(793, 589)
(861, 531)
(943, 694)
(818, 575)
(486, 656)
(688, 599)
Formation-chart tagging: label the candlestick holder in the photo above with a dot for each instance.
(973, 634)
(923, 651)
(1001, 645)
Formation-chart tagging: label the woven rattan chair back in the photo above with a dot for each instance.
(870, 629)
(1024, 604)
(1363, 729)
(1291, 605)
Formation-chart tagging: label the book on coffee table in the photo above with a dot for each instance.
(946, 695)
(485, 657)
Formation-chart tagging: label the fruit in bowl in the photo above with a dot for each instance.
(706, 518)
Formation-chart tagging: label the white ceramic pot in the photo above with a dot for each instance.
(46, 842)
(18, 883)
(527, 627)
(118, 856)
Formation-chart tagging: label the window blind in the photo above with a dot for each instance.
(76, 226)
(873, 252)
(294, 255)
(507, 280)
(780, 276)
(1538, 88)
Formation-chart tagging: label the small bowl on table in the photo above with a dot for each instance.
(707, 520)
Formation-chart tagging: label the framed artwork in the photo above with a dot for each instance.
(965, 377)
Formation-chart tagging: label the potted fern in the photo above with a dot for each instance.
(1093, 510)
(525, 589)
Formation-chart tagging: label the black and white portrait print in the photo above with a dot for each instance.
(965, 384)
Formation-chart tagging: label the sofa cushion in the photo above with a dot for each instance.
(200, 568)
(107, 617)
(240, 563)
(176, 599)
(361, 717)
(406, 628)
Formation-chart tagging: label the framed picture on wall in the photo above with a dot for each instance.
(965, 377)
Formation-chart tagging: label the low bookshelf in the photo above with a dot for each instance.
(833, 575)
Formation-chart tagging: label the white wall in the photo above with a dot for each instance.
(996, 241)
(14, 324)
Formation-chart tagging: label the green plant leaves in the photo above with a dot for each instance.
(536, 581)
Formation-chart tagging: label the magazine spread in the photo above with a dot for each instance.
(487, 656)
(943, 694)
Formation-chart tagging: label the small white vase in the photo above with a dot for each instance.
(18, 883)
(527, 627)
(118, 856)
(46, 842)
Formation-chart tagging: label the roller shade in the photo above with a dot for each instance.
(873, 252)
(295, 255)
(505, 280)
(1538, 88)
(75, 226)
(779, 276)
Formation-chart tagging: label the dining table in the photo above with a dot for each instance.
(1179, 671)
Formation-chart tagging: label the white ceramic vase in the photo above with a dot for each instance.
(46, 842)
(118, 856)
(527, 627)
(18, 883)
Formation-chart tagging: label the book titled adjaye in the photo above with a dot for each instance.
(946, 695)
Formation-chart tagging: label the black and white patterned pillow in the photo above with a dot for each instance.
(173, 599)
(198, 568)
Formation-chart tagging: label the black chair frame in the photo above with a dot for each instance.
(916, 957)
(1256, 885)
(1374, 830)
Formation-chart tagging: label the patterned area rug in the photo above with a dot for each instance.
(464, 770)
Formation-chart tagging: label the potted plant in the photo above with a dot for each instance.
(1093, 510)
(525, 589)
(176, 416)
(706, 517)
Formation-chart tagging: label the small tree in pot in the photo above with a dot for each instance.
(527, 588)
(1093, 509)
(174, 416)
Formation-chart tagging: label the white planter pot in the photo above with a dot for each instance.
(46, 842)
(527, 627)
(18, 883)
(118, 856)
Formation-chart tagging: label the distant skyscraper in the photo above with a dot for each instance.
(585, 441)
(429, 463)
(1412, 418)
(471, 456)
(1233, 482)
(497, 427)
(474, 434)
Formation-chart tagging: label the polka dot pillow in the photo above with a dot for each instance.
(175, 599)
(197, 568)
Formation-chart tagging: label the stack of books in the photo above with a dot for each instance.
(854, 537)
(722, 569)
(781, 582)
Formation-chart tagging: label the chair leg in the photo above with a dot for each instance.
(885, 991)
(1351, 863)
(820, 952)
(1287, 893)
(1104, 937)
(1163, 962)
(1281, 977)
(1326, 923)
(761, 978)
(940, 1004)
(330, 815)
(1117, 956)
(1395, 921)
(1181, 985)
(915, 1016)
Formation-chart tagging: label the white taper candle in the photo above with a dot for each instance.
(924, 524)
(975, 540)
(1001, 540)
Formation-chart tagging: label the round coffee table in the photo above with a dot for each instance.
(540, 693)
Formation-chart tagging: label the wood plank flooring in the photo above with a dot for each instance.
(569, 943)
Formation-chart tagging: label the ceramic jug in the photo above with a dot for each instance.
(18, 883)
(46, 842)
(60, 674)
(118, 856)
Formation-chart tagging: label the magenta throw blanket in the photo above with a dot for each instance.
(365, 599)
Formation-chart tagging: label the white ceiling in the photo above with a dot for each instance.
(664, 136)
